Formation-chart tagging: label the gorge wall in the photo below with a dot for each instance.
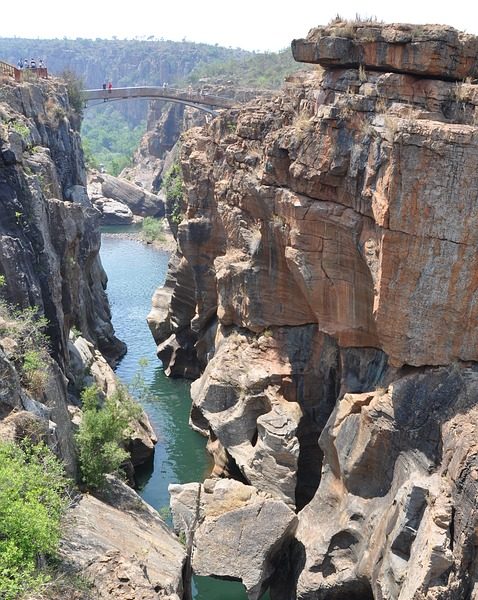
(324, 293)
(50, 269)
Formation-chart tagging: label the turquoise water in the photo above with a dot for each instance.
(134, 271)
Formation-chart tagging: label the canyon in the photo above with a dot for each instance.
(323, 299)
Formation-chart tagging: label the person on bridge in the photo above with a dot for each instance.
(110, 87)
(33, 64)
(40, 64)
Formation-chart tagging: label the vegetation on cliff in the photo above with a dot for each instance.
(33, 497)
(26, 329)
(103, 431)
(262, 70)
(173, 189)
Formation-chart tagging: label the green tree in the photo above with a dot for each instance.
(74, 85)
(33, 497)
(103, 431)
(152, 229)
(173, 189)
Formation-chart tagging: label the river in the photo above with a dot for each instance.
(134, 271)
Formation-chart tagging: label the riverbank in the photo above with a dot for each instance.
(166, 243)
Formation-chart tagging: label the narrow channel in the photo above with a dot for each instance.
(134, 271)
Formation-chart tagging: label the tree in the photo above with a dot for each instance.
(103, 430)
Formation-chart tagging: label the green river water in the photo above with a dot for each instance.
(134, 271)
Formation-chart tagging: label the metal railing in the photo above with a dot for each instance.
(7, 70)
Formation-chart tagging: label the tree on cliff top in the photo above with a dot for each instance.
(74, 85)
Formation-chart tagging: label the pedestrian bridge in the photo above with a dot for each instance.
(189, 97)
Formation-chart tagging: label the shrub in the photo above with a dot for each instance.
(34, 374)
(173, 189)
(103, 430)
(27, 328)
(33, 497)
(153, 229)
(74, 85)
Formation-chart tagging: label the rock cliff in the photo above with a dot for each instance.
(51, 278)
(325, 284)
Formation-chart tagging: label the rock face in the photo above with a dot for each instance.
(166, 121)
(123, 547)
(427, 50)
(233, 531)
(397, 463)
(326, 282)
(49, 243)
(49, 239)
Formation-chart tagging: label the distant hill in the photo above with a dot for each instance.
(124, 62)
(112, 131)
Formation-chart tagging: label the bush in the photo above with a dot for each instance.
(173, 189)
(74, 85)
(152, 229)
(34, 374)
(26, 327)
(103, 430)
(33, 497)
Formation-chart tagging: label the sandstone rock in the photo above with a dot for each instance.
(137, 199)
(329, 237)
(391, 496)
(122, 546)
(114, 212)
(256, 402)
(430, 50)
(235, 532)
(49, 238)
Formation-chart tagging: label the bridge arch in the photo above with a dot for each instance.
(205, 102)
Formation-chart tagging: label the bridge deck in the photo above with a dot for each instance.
(161, 93)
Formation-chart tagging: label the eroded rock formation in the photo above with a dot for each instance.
(118, 200)
(50, 269)
(326, 282)
(232, 530)
(122, 545)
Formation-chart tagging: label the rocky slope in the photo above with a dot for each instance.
(49, 263)
(165, 123)
(325, 287)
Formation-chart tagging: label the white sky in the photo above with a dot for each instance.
(249, 24)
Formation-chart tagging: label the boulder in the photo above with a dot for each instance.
(114, 212)
(122, 546)
(233, 531)
(140, 201)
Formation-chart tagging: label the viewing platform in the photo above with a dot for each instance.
(7, 70)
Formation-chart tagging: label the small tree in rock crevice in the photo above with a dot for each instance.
(104, 428)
